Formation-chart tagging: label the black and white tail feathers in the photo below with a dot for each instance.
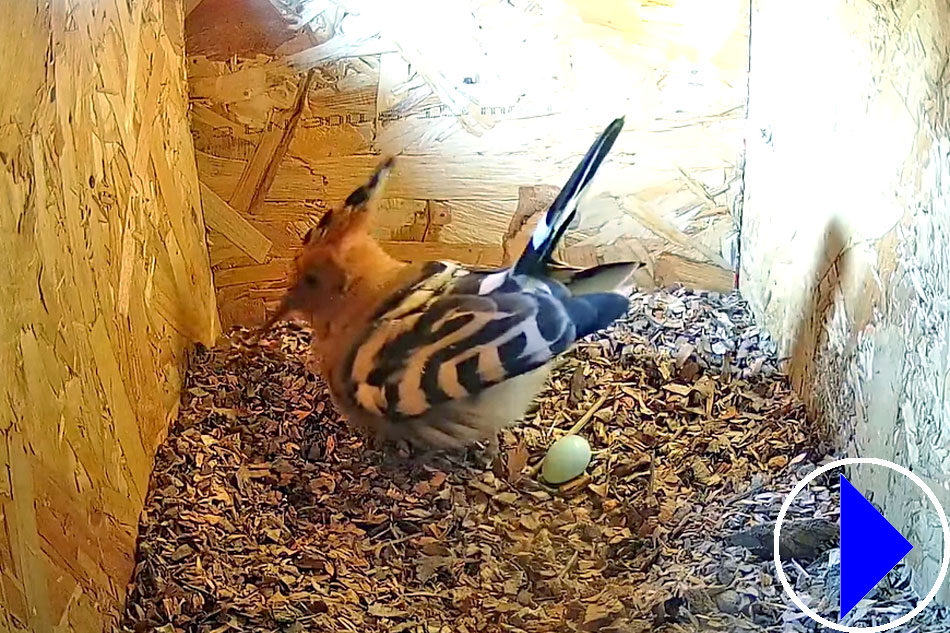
(552, 226)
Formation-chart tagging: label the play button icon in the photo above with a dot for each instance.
(870, 547)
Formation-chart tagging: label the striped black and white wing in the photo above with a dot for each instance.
(456, 332)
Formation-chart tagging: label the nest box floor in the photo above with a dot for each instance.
(267, 513)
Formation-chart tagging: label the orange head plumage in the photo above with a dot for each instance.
(340, 266)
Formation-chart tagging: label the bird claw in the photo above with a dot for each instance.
(492, 448)
(491, 452)
(378, 442)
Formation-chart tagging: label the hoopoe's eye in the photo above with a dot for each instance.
(310, 279)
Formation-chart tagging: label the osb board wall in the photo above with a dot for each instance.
(106, 282)
(492, 108)
(846, 234)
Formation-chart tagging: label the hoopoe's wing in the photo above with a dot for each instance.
(456, 333)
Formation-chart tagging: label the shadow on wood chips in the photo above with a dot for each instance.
(267, 513)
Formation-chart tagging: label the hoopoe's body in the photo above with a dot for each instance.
(436, 352)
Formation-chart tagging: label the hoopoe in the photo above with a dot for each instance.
(436, 352)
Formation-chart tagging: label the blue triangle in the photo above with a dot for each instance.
(870, 547)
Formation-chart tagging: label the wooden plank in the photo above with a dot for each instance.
(89, 387)
(476, 221)
(126, 424)
(417, 129)
(139, 42)
(671, 269)
(270, 163)
(225, 219)
(248, 82)
(214, 120)
(142, 148)
(24, 535)
(219, 136)
(340, 48)
(188, 256)
(253, 175)
(273, 271)
(397, 217)
(341, 111)
(436, 177)
(471, 254)
(664, 228)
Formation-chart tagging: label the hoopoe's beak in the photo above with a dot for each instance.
(273, 319)
(286, 306)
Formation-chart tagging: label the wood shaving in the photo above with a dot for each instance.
(268, 513)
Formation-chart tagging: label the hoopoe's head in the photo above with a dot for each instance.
(337, 254)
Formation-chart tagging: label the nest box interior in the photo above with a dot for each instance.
(160, 161)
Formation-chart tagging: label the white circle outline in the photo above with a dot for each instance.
(944, 567)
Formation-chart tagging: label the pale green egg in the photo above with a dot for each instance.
(566, 459)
